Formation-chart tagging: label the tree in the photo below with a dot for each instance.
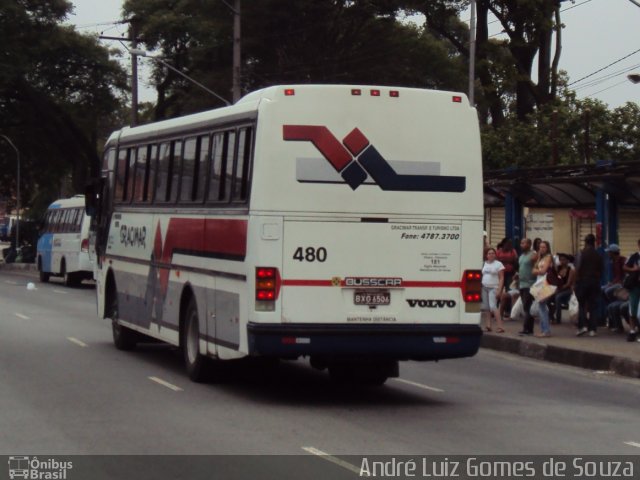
(504, 68)
(316, 41)
(58, 92)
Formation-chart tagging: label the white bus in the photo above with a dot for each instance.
(338, 223)
(63, 247)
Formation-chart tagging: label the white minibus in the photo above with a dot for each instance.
(63, 246)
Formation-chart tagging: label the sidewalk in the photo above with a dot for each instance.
(607, 351)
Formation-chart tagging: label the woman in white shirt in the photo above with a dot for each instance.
(492, 283)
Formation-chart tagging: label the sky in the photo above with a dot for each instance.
(598, 34)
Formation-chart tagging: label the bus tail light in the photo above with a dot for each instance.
(84, 246)
(267, 288)
(472, 286)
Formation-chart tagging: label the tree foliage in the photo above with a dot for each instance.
(313, 41)
(58, 94)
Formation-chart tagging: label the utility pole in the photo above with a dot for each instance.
(472, 54)
(235, 90)
(133, 35)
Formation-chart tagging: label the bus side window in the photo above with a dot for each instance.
(241, 177)
(201, 169)
(53, 224)
(150, 181)
(175, 170)
(141, 175)
(64, 213)
(46, 226)
(121, 175)
(228, 152)
(162, 180)
(78, 223)
(131, 172)
(70, 219)
(216, 167)
(189, 174)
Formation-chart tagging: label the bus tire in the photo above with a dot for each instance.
(43, 276)
(69, 279)
(123, 338)
(195, 363)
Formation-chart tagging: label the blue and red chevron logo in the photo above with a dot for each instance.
(355, 157)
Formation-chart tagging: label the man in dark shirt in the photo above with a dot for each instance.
(588, 274)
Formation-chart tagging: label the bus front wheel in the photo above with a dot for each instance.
(195, 363)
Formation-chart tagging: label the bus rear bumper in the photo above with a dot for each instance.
(397, 342)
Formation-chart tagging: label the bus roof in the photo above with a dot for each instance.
(75, 201)
(247, 108)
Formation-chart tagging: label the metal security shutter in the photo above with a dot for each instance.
(628, 230)
(585, 227)
(495, 223)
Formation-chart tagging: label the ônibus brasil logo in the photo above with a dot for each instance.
(38, 469)
(355, 159)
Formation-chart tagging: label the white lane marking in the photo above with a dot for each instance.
(61, 292)
(11, 282)
(419, 385)
(633, 444)
(24, 317)
(77, 342)
(332, 459)
(165, 384)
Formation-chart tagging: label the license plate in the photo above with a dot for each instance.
(372, 298)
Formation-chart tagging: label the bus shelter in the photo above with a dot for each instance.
(601, 198)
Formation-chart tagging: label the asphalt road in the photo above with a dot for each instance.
(66, 390)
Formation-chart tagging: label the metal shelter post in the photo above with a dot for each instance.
(514, 224)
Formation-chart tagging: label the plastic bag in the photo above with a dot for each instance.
(517, 311)
(574, 308)
(541, 290)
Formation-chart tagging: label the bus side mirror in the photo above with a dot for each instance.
(92, 193)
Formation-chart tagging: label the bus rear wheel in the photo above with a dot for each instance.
(69, 279)
(42, 275)
(195, 363)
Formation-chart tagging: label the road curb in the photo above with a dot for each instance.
(567, 356)
(29, 267)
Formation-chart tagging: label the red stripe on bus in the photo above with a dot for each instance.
(405, 283)
(323, 140)
(208, 236)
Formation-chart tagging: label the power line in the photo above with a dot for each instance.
(608, 88)
(604, 68)
(599, 80)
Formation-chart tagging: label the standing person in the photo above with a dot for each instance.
(588, 274)
(508, 256)
(544, 263)
(485, 245)
(632, 267)
(525, 279)
(492, 283)
(567, 274)
(536, 244)
(617, 263)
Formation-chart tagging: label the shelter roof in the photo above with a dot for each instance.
(571, 186)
